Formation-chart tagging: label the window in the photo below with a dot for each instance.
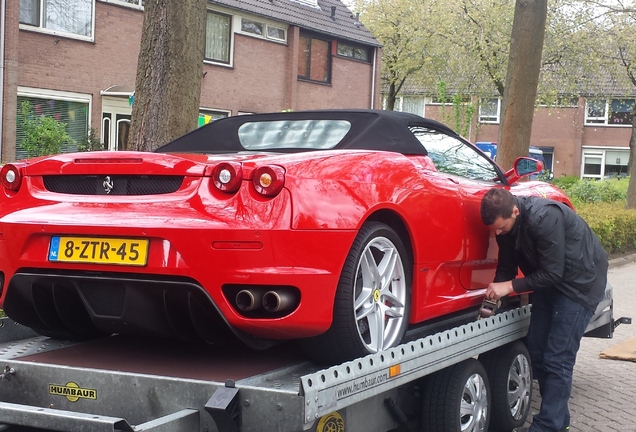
(218, 37)
(413, 104)
(137, 3)
(314, 59)
(489, 110)
(276, 33)
(611, 112)
(249, 26)
(292, 134)
(604, 162)
(74, 17)
(72, 109)
(206, 116)
(261, 29)
(452, 156)
(353, 51)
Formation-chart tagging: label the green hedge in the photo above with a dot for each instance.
(613, 224)
(602, 205)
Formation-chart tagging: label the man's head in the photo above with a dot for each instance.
(499, 210)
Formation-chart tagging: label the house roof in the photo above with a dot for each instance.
(343, 25)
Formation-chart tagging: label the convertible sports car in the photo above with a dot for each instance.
(338, 228)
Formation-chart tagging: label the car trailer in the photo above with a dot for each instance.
(456, 379)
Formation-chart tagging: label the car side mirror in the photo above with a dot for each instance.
(523, 166)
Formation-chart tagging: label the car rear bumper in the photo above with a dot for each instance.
(182, 290)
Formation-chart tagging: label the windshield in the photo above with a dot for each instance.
(289, 134)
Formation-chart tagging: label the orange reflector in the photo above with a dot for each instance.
(236, 245)
(394, 371)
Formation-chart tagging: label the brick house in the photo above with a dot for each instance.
(586, 136)
(76, 60)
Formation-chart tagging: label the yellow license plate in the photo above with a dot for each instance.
(99, 250)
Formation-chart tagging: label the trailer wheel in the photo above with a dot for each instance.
(372, 304)
(510, 375)
(456, 399)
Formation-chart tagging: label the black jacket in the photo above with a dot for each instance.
(553, 247)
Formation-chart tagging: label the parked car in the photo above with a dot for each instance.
(339, 228)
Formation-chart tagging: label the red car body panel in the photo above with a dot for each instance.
(298, 238)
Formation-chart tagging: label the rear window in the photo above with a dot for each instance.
(293, 134)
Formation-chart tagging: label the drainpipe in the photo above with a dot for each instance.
(3, 13)
(375, 52)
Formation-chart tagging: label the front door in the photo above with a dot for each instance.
(115, 122)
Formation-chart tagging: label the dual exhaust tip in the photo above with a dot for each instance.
(273, 301)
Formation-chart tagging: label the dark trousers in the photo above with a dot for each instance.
(557, 325)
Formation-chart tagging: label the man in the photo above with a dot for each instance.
(565, 266)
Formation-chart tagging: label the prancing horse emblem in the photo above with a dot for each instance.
(108, 185)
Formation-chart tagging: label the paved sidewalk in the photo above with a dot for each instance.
(603, 392)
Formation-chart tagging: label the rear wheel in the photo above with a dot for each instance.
(510, 375)
(456, 399)
(372, 303)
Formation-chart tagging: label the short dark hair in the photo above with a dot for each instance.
(497, 202)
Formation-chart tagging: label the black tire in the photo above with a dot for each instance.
(510, 375)
(349, 338)
(461, 388)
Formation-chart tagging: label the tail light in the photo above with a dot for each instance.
(11, 177)
(227, 176)
(268, 180)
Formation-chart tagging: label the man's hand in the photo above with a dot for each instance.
(497, 290)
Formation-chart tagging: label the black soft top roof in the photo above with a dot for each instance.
(370, 130)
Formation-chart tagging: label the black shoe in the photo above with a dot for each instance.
(521, 429)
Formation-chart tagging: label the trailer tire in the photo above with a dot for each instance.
(373, 299)
(510, 375)
(461, 388)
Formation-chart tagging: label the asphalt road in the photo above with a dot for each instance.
(603, 391)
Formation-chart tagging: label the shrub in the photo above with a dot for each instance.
(91, 142)
(593, 191)
(42, 135)
(614, 225)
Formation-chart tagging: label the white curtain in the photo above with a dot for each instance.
(217, 38)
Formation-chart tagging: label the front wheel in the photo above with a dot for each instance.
(456, 399)
(372, 304)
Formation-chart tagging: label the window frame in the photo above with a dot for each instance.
(39, 28)
(600, 152)
(266, 26)
(606, 119)
(490, 119)
(354, 46)
(230, 62)
(212, 111)
(37, 93)
(125, 3)
(329, 42)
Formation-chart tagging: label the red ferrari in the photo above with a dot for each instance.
(338, 228)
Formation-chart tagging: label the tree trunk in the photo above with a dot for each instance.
(390, 97)
(631, 189)
(169, 72)
(522, 79)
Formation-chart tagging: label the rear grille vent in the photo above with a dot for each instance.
(113, 184)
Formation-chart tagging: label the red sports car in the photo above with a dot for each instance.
(339, 228)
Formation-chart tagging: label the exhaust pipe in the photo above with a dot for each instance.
(247, 300)
(279, 301)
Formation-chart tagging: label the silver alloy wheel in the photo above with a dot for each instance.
(473, 409)
(380, 295)
(519, 382)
